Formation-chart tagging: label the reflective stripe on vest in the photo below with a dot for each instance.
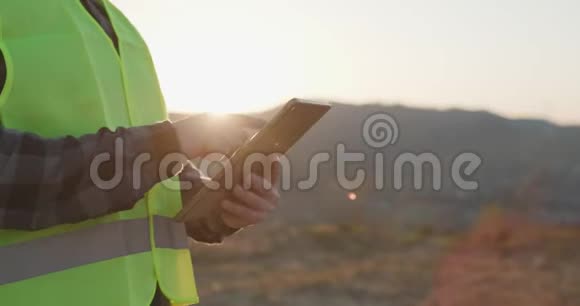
(69, 250)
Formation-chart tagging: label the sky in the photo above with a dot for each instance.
(518, 58)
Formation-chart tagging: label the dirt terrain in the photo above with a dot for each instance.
(502, 260)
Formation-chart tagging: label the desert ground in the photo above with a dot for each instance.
(501, 260)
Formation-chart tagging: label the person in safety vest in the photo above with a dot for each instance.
(79, 99)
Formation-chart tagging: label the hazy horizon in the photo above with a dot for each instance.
(515, 58)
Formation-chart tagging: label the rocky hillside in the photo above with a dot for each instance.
(532, 166)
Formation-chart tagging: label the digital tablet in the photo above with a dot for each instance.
(277, 136)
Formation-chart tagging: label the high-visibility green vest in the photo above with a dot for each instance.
(66, 78)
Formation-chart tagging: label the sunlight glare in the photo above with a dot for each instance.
(352, 196)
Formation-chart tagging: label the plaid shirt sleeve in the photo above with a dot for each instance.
(47, 182)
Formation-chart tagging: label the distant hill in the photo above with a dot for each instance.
(532, 166)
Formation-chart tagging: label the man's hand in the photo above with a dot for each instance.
(253, 205)
(203, 134)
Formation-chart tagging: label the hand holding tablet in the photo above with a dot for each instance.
(203, 134)
(276, 137)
